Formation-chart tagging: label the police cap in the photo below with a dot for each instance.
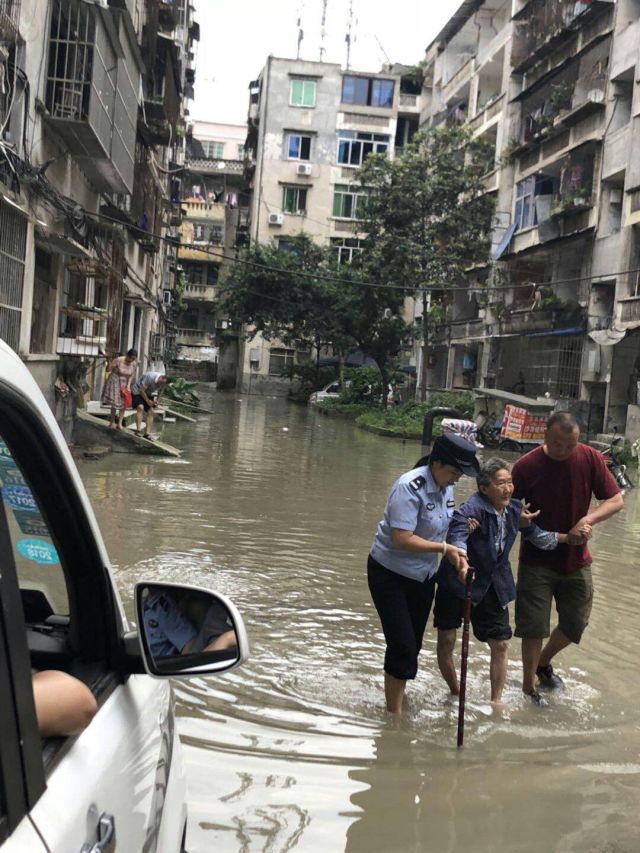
(456, 451)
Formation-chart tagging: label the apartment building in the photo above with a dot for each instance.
(554, 84)
(311, 124)
(215, 215)
(92, 107)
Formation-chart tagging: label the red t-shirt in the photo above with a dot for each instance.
(562, 492)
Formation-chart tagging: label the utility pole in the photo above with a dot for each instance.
(426, 307)
(323, 31)
(349, 39)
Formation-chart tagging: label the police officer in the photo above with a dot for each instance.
(407, 548)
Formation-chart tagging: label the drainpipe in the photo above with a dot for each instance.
(263, 123)
(427, 429)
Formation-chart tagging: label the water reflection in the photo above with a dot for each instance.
(293, 750)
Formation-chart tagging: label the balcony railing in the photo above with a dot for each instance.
(91, 96)
(82, 331)
(208, 165)
(514, 321)
(544, 24)
(9, 19)
(629, 309)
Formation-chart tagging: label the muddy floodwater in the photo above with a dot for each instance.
(275, 506)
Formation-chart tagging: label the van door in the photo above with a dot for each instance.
(106, 784)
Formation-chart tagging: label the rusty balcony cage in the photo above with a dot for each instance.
(544, 23)
(9, 19)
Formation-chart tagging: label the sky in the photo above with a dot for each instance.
(237, 36)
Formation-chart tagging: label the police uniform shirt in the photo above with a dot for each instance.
(166, 627)
(418, 504)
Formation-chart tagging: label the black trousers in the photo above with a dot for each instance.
(403, 606)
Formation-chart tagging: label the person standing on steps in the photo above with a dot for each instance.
(117, 386)
(405, 553)
(559, 478)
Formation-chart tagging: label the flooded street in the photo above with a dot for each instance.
(293, 751)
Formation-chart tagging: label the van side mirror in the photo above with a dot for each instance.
(187, 630)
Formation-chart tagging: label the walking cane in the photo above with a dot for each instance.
(465, 655)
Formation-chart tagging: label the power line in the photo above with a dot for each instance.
(220, 255)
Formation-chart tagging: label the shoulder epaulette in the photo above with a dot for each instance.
(417, 484)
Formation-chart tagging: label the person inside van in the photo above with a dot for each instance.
(170, 632)
(64, 705)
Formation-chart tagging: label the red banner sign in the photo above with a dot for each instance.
(520, 425)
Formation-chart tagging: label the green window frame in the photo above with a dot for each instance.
(303, 93)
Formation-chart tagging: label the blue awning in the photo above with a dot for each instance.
(506, 239)
(574, 331)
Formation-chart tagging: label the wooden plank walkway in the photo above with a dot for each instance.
(125, 440)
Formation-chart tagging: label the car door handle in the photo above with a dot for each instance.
(106, 832)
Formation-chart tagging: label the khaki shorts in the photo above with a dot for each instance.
(536, 588)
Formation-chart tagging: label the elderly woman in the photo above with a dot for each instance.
(404, 557)
(499, 517)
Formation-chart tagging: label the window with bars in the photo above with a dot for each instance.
(294, 200)
(354, 147)
(13, 243)
(348, 201)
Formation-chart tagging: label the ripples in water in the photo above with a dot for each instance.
(294, 751)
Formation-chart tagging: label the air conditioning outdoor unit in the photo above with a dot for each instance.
(276, 219)
(304, 168)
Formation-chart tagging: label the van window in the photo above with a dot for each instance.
(36, 559)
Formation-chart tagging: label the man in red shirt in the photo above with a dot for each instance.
(559, 478)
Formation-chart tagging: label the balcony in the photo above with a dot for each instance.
(91, 96)
(200, 292)
(461, 330)
(214, 166)
(408, 103)
(484, 116)
(9, 20)
(515, 321)
(543, 24)
(194, 337)
(629, 310)
(82, 331)
(167, 14)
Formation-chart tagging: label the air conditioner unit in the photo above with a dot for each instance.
(304, 168)
(276, 219)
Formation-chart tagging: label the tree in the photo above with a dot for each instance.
(306, 297)
(427, 217)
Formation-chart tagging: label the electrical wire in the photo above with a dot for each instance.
(374, 285)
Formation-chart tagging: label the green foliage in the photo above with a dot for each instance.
(427, 217)
(309, 379)
(182, 391)
(363, 385)
(178, 292)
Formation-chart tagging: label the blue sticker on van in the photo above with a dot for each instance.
(38, 551)
(19, 497)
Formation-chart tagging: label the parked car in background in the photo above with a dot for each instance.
(119, 783)
(329, 392)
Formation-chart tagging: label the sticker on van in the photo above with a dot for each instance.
(38, 551)
(19, 497)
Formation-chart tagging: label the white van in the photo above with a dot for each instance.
(119, 783)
